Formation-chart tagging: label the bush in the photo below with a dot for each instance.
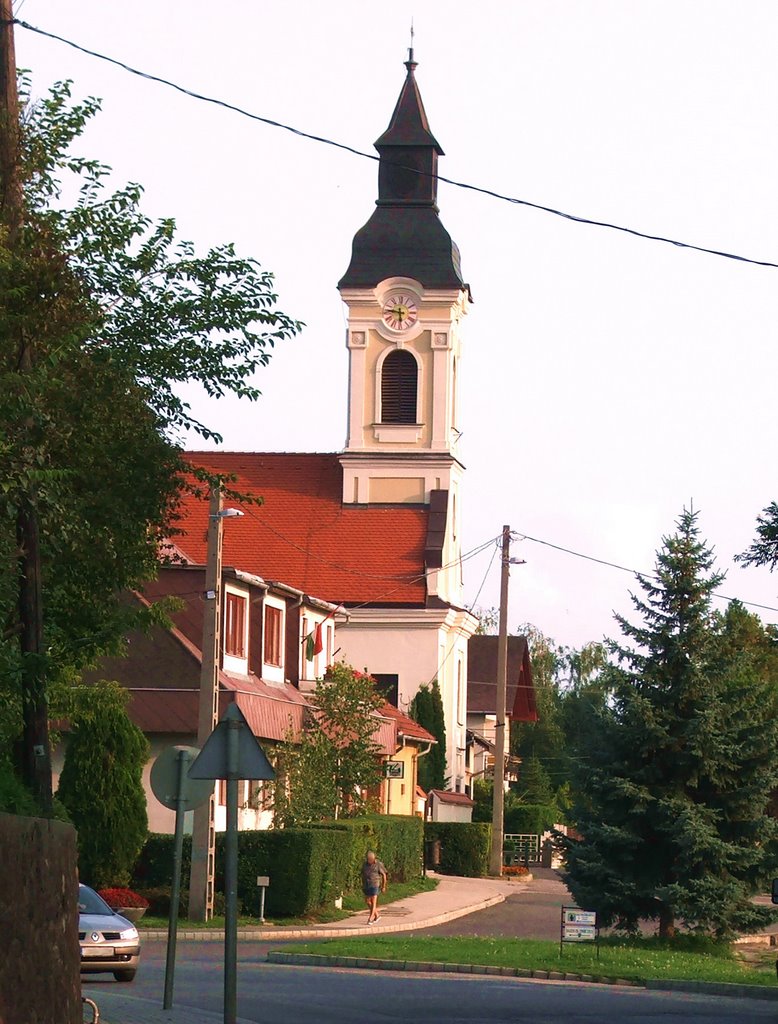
(308, 868)
(154, 866)
(530, 819)
(396, 839)
(464, 846)
(101, 786)
(15, 798)
(118, 898)
(159, 901)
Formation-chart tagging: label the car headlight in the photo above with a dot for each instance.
(129, 933)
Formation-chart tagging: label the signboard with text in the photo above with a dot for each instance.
(579, 926)
(395, 769)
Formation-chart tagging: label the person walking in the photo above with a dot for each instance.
(373, 883)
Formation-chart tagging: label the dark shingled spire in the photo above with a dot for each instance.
(404, 237)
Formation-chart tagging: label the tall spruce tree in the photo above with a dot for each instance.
(427, 709)
(674, 771)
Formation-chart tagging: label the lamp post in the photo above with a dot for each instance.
(201, 878)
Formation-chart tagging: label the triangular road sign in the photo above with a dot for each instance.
(211, 763)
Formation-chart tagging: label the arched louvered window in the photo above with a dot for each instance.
(399, 383)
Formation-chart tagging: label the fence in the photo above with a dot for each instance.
(520, 849)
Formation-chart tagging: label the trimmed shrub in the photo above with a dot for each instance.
(308, 868)
(530, 819)
(101, 786)
(464, 846)
(400, 845)
(154, 866)
(396, 839)
(159, 901)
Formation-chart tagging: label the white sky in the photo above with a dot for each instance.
(607, 380)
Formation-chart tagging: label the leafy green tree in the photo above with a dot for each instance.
(101, 785)
(427, 709)
(328, 771)
(104, 313)
(673, 771)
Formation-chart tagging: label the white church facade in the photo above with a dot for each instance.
(375, 528)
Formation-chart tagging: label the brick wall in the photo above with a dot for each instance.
(39, 965)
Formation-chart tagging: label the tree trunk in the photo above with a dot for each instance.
(666, 922)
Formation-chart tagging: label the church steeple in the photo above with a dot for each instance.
(407, 171)
(405, 237)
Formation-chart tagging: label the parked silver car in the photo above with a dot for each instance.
(110, 944)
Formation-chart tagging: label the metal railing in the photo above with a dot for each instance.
(91, 1005)
(520, 849)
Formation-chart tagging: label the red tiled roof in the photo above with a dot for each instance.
(405, 725)
(482, 678)
(304, 535)
(447, 797)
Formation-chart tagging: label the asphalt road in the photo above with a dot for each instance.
(270, 994)
(533, 914)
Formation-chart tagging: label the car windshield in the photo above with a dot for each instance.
(90, 903)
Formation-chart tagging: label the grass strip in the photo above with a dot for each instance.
(686, 959)
(351, 904)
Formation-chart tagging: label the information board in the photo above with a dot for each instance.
(579, 926)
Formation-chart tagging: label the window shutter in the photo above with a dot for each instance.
(399, 384)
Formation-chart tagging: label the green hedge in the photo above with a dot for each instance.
(464, 846)
(396, 839)
(154, 867)
(530, 819)
(308, 868)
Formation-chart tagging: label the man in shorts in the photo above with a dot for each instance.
(373, 883)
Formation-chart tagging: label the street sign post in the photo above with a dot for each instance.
(579, 926)
(171, 785)
(231, 752)
(263, 882)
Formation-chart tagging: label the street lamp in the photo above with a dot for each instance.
(201, 878)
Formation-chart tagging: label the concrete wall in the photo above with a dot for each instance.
(40, 980)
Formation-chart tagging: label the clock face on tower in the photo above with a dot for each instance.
(400, 312)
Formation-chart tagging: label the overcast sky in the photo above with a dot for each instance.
(607, 380)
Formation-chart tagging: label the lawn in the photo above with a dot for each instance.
(351, 904)
(688, 958)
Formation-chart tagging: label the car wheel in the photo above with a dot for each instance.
(124, 975)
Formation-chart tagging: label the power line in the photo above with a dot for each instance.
(632, 572)
(575, 218)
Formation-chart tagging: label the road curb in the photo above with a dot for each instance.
(360, 963)
(319, 932)
(715, 988)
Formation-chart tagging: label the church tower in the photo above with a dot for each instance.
(406, 299)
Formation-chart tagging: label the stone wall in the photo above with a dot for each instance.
(40, 962)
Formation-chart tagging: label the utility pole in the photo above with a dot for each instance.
(36, 749)
(201, 878)
(498, 806)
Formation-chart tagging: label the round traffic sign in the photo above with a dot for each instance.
(165, 775)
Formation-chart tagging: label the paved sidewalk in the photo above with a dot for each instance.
(452, 898)
(123, 1008)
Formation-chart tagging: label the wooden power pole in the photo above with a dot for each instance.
(36, 750)
(498, 806)
(201, 878)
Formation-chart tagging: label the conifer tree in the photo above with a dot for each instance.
(427, 709)
(674, 771)
(101, 785)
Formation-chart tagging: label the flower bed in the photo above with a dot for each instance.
(123, 899)
(515, 871)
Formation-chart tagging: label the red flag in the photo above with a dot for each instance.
(318, 644)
